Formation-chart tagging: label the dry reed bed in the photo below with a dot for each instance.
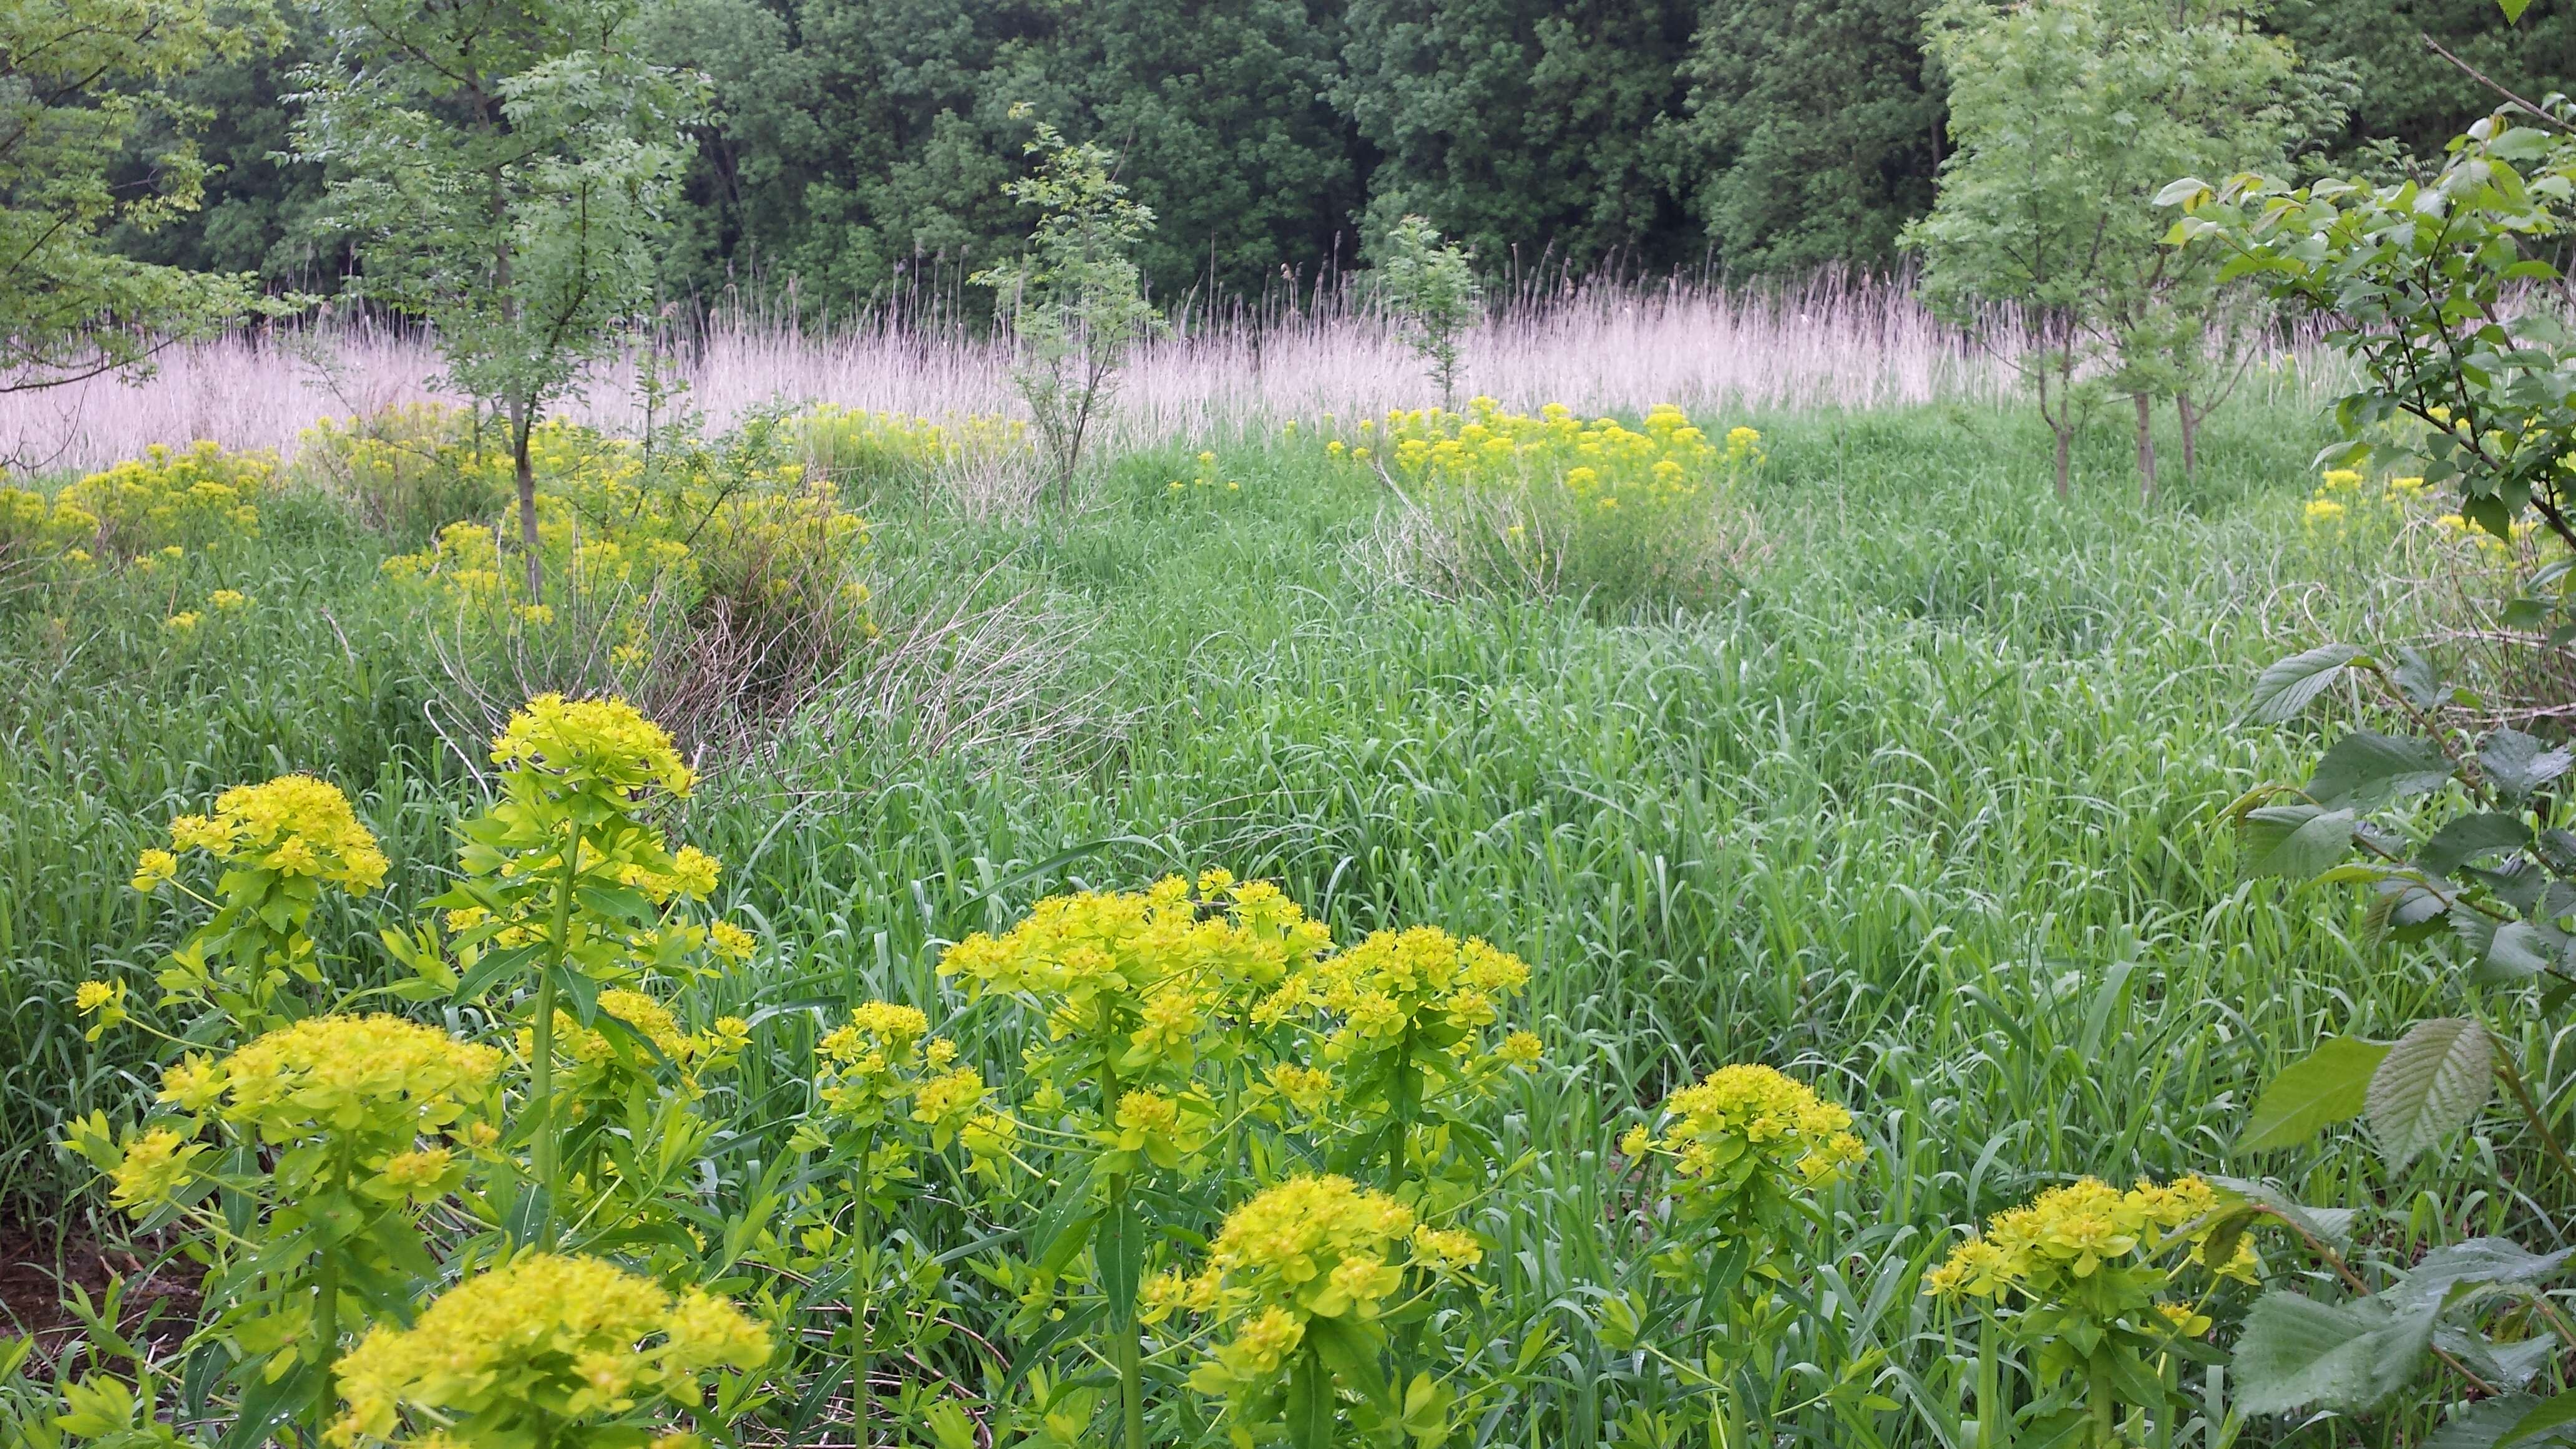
(1831, 342)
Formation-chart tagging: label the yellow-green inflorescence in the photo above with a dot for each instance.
(544, 1350)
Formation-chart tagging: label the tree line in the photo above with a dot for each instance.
(854, 148)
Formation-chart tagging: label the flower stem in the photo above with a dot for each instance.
(862, 1391)
(1122, 1346)
(549, 1150)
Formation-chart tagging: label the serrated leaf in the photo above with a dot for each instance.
(2416, 679)
(2326, 1086)
(2463, 838)
(2295, 841)
(2296, 1352)
(2365, 770)
(2285, 688)
(2471, 1261)
(2517, 950)
(2432, 1082)
(2517, 763)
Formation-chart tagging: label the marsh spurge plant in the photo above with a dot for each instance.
(2107, 1289)
(334, 1171)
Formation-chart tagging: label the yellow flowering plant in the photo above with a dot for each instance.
(569, 888)
(2107, 1288)
(281, 846)
(546, 1352)
(1411, 1029)
(1159, 1009)
(1296, 1290)
(731, 541)
(1549, 500)
(1736, 1159)
(200, 496)
(301, 1166)
(884, 1092)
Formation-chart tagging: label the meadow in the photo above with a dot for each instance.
(1922, 806)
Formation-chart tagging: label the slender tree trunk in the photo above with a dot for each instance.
(2065, 436)
(522, 421)
(2146, 446)
(2190, 419)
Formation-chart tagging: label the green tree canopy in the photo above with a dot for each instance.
(84, 87)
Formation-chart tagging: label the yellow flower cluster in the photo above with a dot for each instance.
(841, 443)
(1420, 980)
(543, 1342)
(1309, 1248)
(606, 741)
(338, 1073)
(1159, 969)
(374, 1085)
(1603, 464)
(294, 825)
(2345, 500)
(2047, 1249)
(599, 1068)
(169, 498)
(1746, 1131)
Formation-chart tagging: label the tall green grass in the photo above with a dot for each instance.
(1927, 812)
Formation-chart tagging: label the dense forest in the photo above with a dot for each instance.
(860, 145)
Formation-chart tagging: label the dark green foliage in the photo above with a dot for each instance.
(863, 144)
(1812, 130)
(866, 141)
(2409, 93)
(1527, 130)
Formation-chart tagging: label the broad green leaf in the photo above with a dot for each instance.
(2332, 1226)
(2295, 841)
(2296, 1352)
(2517, 763)
(2471, 1261)
(2549, 1414)
(2431, 1083)
(2326, 1086)
(2365, 770)
(2480, 1425)
(2284, 689)
(2512, 9)
(2464, 838)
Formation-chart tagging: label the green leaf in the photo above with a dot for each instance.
(1118, 1246)
(2326, 1086)
(2471, 1261)
(2517, 763)
(2480, 1425)
(2286, 688)
(2365, 770)
(2296, 1352)
(2431, 1083)
(2512, 9)
(2464, 838)
(2295, 841)
(2549, 1414)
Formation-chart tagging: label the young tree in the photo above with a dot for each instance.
(1074, 297)
(1432, 291)
(506, 168)
(2069, 116)
(80, 82)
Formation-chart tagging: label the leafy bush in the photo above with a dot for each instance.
(407, 470)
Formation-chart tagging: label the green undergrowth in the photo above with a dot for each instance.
(1926, 811)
